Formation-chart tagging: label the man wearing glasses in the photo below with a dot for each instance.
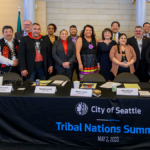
(140, 45)
(27, 25)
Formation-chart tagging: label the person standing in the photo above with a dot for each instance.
(122, 56)
(8, 51)
(51, 29)
(146, 29)
(115, 27)
(86, 51)
(104, 63)
(27, 25)
(35, 57)
(73, 37)
(63, 52)
(140, 45)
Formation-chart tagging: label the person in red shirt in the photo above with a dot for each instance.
(63, 52)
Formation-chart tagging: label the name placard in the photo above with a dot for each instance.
(5, 89)
(45, 89)
(127, 91)
(81, 92)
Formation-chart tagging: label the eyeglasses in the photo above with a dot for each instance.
(138, 31)
(27, 24)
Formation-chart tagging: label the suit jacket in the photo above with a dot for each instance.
(147, 57)
(145, 44)
(26, 54)
(59, 56)
(130, 54)
(19, 35)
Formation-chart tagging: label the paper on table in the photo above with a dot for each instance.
(58, 82)
(108, 85)
(42, 82)
(144, 93)
(132, 86)
(21, 89)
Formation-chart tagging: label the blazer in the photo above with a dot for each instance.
(145, 44)
(59, 56)
(130, 54)
(147, 57)
(19, 35)
(26, 54)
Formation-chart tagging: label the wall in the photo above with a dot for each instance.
(99, 13)
(9, 14)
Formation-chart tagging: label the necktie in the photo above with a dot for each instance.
(115, 38)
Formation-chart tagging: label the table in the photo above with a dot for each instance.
(109, 121)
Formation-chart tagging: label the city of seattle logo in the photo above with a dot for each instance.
(81, 108)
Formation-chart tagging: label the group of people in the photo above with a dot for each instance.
(34, 56)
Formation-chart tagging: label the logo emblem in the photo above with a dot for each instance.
(81, 108)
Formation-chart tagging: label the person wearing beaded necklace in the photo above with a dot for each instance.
(86, 51)
(122, 56)
(8, 51)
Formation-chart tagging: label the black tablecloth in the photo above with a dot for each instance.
(110, 121)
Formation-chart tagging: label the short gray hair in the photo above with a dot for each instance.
(138, 27)
(29, 21)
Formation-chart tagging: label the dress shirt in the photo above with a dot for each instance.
(74, 40)
(139, 45)
(117, 36)
(25, 34)
(147, 35)
(65, 45)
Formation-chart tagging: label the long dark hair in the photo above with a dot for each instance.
(118, 45)
(82, 32)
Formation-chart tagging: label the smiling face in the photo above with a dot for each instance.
(146, 28)
(107, 35)
(36, 29)
(88, 32)
(64, 35)
(138, 33)
(27, 26)
(122, 40)
(8, 34)
(115, 28)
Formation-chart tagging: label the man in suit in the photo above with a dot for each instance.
(35, 57)
(146, 29)
(115, 27)
(140, 45)
(8, 51)
(73, 37)
(27, 25)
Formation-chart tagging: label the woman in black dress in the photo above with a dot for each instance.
(86, 51)
(51, 29)
(104, 62)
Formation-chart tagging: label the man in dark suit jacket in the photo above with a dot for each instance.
(27, 28)
(64, 60)
(115, 27)
(140, 45)
(73, 37)
(34, 55)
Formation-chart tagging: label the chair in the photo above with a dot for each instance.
(11, 76)
(59, 77)
(126, 77)
(93, 77)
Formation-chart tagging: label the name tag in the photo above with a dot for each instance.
(127, 91)
(81, 92)
(6, 89)
(45, 89)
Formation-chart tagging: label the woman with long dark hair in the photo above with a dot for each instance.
(122, 56)
(104, 63)
(86, 51)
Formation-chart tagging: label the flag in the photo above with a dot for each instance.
(19, 23)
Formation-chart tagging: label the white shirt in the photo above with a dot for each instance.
(117, 36)
(1, 37)
(139, 45)
(147, 35)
